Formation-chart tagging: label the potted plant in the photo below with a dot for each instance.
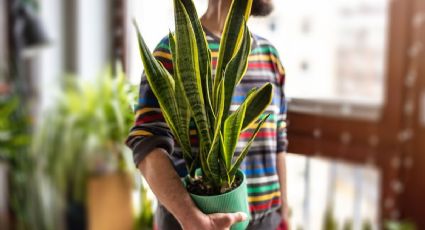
(15, 139)
(192, 93)
(79, 148)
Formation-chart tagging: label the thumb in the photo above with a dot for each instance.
(227, 219)
(238, 217)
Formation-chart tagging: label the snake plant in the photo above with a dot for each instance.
(191, 92)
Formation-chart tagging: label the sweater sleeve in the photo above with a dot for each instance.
(150, 130)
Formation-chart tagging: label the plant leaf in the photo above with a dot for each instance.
(241, 156)
(162, 85)
(232, 130)
(232, 36)
(257, 102)
(210, 110)
(183, 104)
(188, 67)
(213, 154)
(236, 69)
(204, 56)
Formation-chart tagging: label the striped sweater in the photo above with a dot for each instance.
(150, 130)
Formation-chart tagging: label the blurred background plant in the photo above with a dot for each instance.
(400, 225)
(348, 225)
(329, 221)
(84, 132)
(144, 220)
(15, 139)
(366, 225)
(79, 138)
(83, 135)
(14, 125)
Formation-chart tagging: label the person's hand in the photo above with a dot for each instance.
(284, 212)
(217, 221)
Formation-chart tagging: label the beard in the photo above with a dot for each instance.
(261, 7)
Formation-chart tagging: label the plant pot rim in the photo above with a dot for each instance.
(238, 174)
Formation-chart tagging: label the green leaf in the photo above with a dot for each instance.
(163, 86)
(161, 83)
(236, 69)
(214, 152)
(232, 131)
(224, 172)
(204, 56)
(211, 177)
(240, 158)
(188, 69)
(210, 110)
(183, 108)
(232, 36)
(257, 102)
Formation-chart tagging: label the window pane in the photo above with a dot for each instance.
(332, 50)
(350, 193)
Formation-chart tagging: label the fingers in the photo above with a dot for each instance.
(225, 220)
(238, 217)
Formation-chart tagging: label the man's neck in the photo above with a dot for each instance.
(215, 17)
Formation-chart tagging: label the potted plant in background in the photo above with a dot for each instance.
(80, 148)
(144, 219)
(23, 198)
(400, 225)
(329, 221)
(192, 93)
(14, 160)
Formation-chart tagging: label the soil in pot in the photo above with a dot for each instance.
(198, 187)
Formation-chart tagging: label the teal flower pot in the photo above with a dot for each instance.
(230, 202)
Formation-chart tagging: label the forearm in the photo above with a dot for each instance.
(168, 188)
(281, 171)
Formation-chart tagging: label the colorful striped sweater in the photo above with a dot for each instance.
(150, 130)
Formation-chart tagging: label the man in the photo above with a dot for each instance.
(153, 146)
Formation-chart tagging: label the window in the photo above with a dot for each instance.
(349, 192)
(332, 51)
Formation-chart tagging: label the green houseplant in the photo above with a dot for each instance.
(81, 139)
(87, 125)
(144, 220)
(400, 225)
(15, 138)
(192, 93)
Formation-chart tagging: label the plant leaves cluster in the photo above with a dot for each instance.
(83, 133)
(191, 92)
